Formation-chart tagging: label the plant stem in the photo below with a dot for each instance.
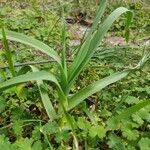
(8, 53)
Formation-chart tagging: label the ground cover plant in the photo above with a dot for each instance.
(67, 126)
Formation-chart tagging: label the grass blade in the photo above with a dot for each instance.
(18, 37)
(8, 52)
(129, 111)
(113, 122)
(63, 75)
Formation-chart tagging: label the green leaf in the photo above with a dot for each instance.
(17, 127)
(2, 104)
(4, 139)
(17, 113)
(18, 37)
(97, 130)
(25, 144)
(144, 143)
(33, 76)
(125, 114)
(112, 123)
(45, 98)
(37, 146)
(84, 48)
(101, 132)
(62, 136)
(129, 111)
(83, 124)
(131, 100)
(129, 147)
(137, 119)
(147, 88)
(130, 134)
(5, 146)
(93, 131)
(92, 43)
(115, 142)
(36, 134)
(50, 128)
(95, 87)
(8, 52)
(144, 113)
(99, 13)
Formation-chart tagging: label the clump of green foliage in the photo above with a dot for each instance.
(66, 122)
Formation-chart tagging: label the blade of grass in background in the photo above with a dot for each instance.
(113, 122)
(129, 111)
(8, 52)
(99, 13)
(63, 77)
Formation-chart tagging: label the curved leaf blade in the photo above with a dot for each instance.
(94, 42)
(18, 37)
(83, 50)
(32, 76)
(129, 111)
(45, 98)
(95, 87)
(113, 122)
(35, 76)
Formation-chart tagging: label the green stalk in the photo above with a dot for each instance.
(63, 38)
(68, 118)
(64, 81)
(8, 53)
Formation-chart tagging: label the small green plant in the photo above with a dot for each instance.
(66, 75)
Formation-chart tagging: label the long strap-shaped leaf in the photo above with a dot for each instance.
(78, 66)
(99, 13)
(45, 98)
(95, 87)
(18, 37)
(99, 85)
(83, 50)
(129, 111)
(33, 76)
(8, 52)
(125, 114)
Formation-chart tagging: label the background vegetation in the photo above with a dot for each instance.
(25, 124)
